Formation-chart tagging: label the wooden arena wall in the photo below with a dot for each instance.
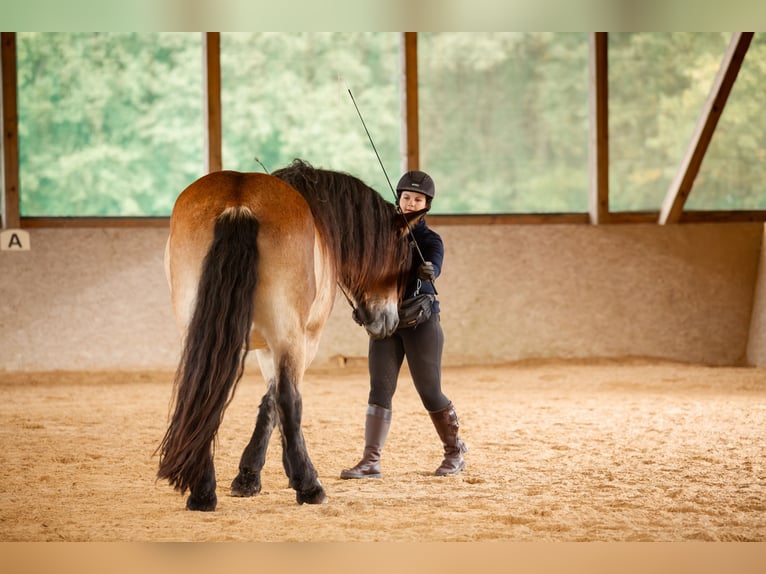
(96, 298)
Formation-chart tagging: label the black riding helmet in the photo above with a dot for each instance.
(417, 181)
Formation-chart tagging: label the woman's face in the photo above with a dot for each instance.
(410, 201)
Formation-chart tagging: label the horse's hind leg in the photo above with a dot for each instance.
(248, 481)
(203, 495)
(302, 474)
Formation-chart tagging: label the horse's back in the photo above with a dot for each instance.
(280, 210)
(271, 200)
(286, 243)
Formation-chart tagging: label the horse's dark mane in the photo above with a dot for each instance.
(356, 223)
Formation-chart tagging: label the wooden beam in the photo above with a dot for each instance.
(96, 222)
(409, 97)
(9, 121)
(627, 217)
(679, 189)
(598, 198)
(211, 42)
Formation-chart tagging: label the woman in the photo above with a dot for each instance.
(421, 344)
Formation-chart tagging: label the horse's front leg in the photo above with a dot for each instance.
(202, 496)
(248, 481)
(300, 471)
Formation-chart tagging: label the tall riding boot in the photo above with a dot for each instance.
(447, 425)
(376, 425)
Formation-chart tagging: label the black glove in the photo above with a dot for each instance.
(426, 271)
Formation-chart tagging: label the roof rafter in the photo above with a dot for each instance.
(679, 189)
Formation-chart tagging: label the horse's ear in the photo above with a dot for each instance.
(409, 219)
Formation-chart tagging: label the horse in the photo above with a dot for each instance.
(253, 262)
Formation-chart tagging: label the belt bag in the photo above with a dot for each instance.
(415, 310)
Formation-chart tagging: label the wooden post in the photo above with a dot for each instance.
(598, 197)
(409, 95)
(9, 125)
(213, 125)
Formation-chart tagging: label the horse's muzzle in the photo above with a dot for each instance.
(382, 322)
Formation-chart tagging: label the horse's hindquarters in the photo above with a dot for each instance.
(240, 259)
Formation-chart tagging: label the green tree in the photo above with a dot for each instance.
(285, 95)
(112, 124)
(733, 173)
(109, 124)
(504, 120)
(658, 85)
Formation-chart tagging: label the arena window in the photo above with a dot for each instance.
(107, 129)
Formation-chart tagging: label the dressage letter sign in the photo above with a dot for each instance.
(14, 240)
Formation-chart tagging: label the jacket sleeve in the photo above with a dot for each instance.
(432, 248)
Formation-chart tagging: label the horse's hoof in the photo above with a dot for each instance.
(245, 485)
(314, 495)
(203, 504)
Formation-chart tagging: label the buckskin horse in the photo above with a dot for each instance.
(253, 261)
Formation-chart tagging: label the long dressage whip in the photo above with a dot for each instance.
(372, 143)
(391, 187)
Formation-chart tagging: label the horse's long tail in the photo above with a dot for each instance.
(214, 352)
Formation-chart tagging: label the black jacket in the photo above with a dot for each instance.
(432, 248)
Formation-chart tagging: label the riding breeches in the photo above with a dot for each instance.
(422, 345)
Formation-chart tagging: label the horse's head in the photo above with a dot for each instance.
(367, 239)
(384, 279)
